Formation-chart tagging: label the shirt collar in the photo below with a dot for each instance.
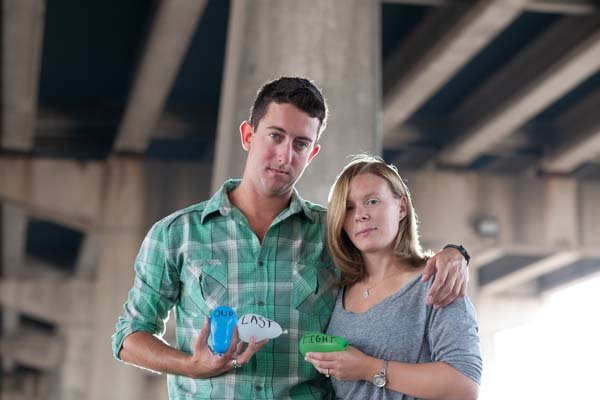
(220, 202)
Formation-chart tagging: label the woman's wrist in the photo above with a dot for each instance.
(372, 366)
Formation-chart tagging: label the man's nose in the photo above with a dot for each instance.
(284, 153)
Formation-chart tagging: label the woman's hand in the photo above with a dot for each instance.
(348, 365)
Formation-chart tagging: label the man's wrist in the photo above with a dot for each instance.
(461, 250)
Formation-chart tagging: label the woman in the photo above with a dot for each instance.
(401, 348)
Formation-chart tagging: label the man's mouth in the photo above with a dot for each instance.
(278, 171)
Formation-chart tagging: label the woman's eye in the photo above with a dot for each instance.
(372, 202)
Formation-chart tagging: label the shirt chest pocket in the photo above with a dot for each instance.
(313, 290)
(205, 285)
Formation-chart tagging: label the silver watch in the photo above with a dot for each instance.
(380, 379)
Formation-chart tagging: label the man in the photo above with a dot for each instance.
(258, 247)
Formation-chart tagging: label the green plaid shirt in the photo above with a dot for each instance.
(207, 255)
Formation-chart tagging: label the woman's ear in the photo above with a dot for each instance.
(403, 207)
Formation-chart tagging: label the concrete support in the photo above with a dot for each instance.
(545, 71)
(167, 43)
(550, 221)
(58, 301)
(67, 192)
(581, 125)
(75, 372)
(31, 348)
(445, 41)
(120, 231)
(22, 30)
(337, 44)
(13, 225)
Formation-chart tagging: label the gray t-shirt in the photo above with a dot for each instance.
(403, 328)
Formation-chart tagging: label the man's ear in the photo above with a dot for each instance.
(246, 133)
(314, 152)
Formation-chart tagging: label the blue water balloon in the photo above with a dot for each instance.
(222, 323)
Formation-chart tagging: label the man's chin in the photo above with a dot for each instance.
(277, 189)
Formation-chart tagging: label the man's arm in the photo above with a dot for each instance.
(146, 350)
(451, 277)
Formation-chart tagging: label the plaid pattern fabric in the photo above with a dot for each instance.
(207, 255)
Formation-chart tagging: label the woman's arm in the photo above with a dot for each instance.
(434, 380)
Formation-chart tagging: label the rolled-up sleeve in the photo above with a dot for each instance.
(453, 335)
(154, 292)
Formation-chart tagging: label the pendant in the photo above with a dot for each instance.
(366, 293)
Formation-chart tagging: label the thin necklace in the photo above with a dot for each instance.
(366, 292)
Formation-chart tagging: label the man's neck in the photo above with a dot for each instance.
(260, 210)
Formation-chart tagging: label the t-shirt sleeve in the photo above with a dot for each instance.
(155, 290)
(454, 339)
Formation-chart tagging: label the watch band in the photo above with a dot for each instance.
(384, 368)
(461, 249)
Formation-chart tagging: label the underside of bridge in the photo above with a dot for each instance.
(116, 113)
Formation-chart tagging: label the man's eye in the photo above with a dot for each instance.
(301, 145)
(275, 135)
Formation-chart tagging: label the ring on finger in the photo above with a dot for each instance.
(235, 364)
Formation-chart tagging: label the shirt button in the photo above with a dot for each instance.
(260, 263)
(258, 388)
(260, 303)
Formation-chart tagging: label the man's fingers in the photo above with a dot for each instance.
(252, 348)
(203, 336)
(429, 269)
(234, 343)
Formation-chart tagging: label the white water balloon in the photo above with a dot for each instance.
(258, 326)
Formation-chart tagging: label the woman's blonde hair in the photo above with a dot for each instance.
(345, 255)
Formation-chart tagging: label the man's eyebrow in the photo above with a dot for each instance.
(277, 128)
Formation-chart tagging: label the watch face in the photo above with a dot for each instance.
(379, 380)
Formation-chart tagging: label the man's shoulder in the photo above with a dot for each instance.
(317, 210)
(178, 216)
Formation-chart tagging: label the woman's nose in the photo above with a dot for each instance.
(361, 215)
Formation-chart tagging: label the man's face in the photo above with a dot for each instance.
(279, 148)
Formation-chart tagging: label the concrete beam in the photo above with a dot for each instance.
(573, 7)
(167, 43)
(581, 125)
(13, 235)
(65, 191)
(530, 272)
(33, 349)
(87, 259)
(22, 32)
(564, 56)
(443, 43)
(64, 301)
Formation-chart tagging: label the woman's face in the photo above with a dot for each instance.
(373, 214)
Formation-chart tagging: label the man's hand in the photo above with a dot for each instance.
(204, 364)
(451, 277)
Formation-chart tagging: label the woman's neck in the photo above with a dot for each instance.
(381, 266)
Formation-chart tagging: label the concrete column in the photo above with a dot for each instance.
(22, 38)
(120, 231)
(13, 222)
(336, 43)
